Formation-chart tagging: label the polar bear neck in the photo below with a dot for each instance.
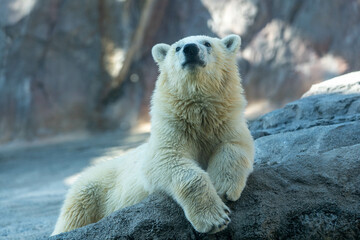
(205, 108)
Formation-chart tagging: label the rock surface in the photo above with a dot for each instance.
(305, 183)
(331, 102)
(86, 65)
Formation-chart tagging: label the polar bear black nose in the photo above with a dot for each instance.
(191, 49)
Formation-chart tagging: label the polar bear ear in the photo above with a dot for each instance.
(232, 42)
(159, 52)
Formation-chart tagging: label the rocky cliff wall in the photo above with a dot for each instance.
(68, 66)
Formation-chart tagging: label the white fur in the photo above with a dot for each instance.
(200, 150)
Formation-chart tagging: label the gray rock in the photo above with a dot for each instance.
(331, 102)
(305, 183)
(345, 84)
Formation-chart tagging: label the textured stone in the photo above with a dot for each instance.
(345, 84)
(327, 103)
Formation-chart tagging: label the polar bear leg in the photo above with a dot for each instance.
(81, 207)
(191, 187)
(230, 166)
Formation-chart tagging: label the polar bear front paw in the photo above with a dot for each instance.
(229, 190)
(210, 219)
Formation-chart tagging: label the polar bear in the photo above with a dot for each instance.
(200, 150)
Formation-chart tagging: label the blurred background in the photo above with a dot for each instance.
(75, 66)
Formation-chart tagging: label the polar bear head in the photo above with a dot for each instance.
(197, 59)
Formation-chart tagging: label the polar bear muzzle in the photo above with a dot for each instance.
(192, 57)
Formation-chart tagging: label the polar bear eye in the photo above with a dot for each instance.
(207, 44)
(178, 49)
